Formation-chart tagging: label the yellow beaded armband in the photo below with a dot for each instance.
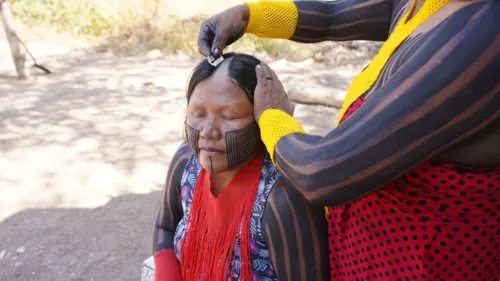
(275, 124)
(272, 19)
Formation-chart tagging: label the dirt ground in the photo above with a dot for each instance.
(84, 152)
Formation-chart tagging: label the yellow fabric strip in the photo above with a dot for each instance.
(272, 19)
(275, 124)
(404, 28)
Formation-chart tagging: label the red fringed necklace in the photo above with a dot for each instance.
(214, 226)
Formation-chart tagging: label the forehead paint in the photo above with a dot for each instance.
(240, 144)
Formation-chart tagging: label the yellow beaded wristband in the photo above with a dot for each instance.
(272, 19)
(275, 124)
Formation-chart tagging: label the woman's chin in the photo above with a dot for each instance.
(215, 165)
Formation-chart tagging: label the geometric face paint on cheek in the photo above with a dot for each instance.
(193, 136)
(211, 165)
(242, 144)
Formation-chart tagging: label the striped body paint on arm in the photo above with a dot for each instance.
(444, 91)
(301, 254)
(342, 20)
(170, 212)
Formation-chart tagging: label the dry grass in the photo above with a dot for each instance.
(179, 35)
(137, 26)
(77, 16)
(126, 26)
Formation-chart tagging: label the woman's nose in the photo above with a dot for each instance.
(211, 130)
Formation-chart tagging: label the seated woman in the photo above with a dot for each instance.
(227, 214)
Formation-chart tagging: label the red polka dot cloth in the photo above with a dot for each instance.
(440, 221)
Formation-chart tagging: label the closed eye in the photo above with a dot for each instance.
(227, 117)
(197, 114)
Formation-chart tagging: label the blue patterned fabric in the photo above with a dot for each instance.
(261, 262)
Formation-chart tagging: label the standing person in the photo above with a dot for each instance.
(18, 54)
(227, 213)
(411, 174)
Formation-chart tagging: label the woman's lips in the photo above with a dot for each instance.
(210, 151)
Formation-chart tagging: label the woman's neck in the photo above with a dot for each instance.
(219, 181)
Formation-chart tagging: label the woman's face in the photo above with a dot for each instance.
(220, 124)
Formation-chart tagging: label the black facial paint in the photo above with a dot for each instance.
(192, 136)
(211, 165)
(240, 144)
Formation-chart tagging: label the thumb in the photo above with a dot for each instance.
(292, 108)
(219, 41)
(261, 75)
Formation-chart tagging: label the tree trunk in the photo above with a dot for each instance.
(18, 53)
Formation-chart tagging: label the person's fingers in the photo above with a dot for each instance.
(220, 40)
(261, 76)
(267, 75)
(267, 70)
(272, 77)
(205, 37)
(292, 108)
(273, 74)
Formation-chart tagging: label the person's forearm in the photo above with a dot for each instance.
(342, 20)
(272, 19)
(296, 235)
(170, 211)
(162, 239)
(167, 267)
(315, 21)
(448, 91)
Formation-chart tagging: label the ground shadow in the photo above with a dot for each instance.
(99, 127)
(101, 123)
(105, 243)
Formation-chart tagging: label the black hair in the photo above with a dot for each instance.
(241, 71)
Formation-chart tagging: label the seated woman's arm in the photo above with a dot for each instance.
(296, 235)
(167, 266)
(446, 92)
(315, 21)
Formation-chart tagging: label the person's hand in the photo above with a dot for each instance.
(222, 30)
(292, 108)
(269, 92)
